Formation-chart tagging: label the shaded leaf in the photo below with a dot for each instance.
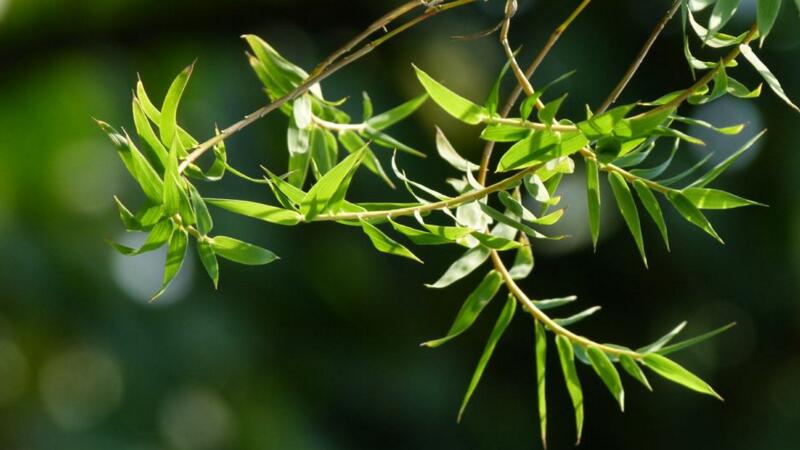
(209, 260)
(653, 208)
(690, 212)
(712, 174)
(633, 369)
(593, 198)
(541, 372)
(567, 321)
(693, 341)
(497, 332)
(471, 308)
(462, 267)
(627, 208)
(449, 154)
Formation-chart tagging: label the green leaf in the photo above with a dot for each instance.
(704, 198)
(663, 340)
(547, 114)
(527, 105)
(721, 14)
(176, 253)
(443, 235)
(767, 13)
(329, 192)
(204, 221)
(493, 100)
(541, 364)
(602, 125)
(128, 219)
(324, 149)
(554, 302)
(158, 236)
(674, 179)
(677, 374)
(452, 103)
(567, 356)
(608, 373)
(497, 332)
(573, 319)
(471, 308)
(653, 208)
(366, 107)
(502, 218)
(157, 153)
(384, 243)
(169, 111)
(462, 267)
(690, 212)
(136, 163)
(627, 208)
(721, 167)
(523, 263)
(397, 114)
(299, 143)
(498, 243)
(540, 147)
(505, 133)
(176, 199)
(241, 252)
(279, 76)
(693, 341)
(352, 142)
(633, 369)
(449, 154)
(765, 73)
(209, 260)
(593, 198)
(260, 211)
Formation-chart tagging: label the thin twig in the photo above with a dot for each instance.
(614, 95)
(512, 99)
(314, 79)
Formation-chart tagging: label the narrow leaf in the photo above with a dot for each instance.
(567, 321)
(627, 208)
(497, 332)
(384, 243)
(397, 114)
(260, 211)
(690, 212)
(462, 267)
(721, 167)
(169, 111)
(652, 207)
(449, 154)
(541, 369)
(176, 253)
(765, 73)
(209, 260)
(633, 369)
(693, 341)
(593, 198)
(767, 13)
(471, 308)
(452, 103)
(567, 357)
(241, 252)
(329, 192)
(704, 198)
(608, 373)
(677, 374)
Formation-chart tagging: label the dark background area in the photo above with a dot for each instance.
(320, 350)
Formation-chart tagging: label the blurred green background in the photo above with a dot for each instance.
(320, 350)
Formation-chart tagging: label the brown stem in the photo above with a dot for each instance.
(612, 97)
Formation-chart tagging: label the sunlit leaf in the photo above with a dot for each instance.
(209, 260)
(394, 115)
(176, 253)
(452, 103)
(765, 73)
(449, 154)
(608, 373)
(260, 211)
(541, 373)
(633, 369)
(462, 267)
(704, 198)
(593, 198)
(666, 350)
(567, 357)
(384, 243)
(554, 302)
(137, 164)
(523, 263)
(721, 14)
(627, 208)
(241, 252)
(547, 114)
(204, 221)
(677, 374)
(573, 319)
(169, 111)
(329, 192)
